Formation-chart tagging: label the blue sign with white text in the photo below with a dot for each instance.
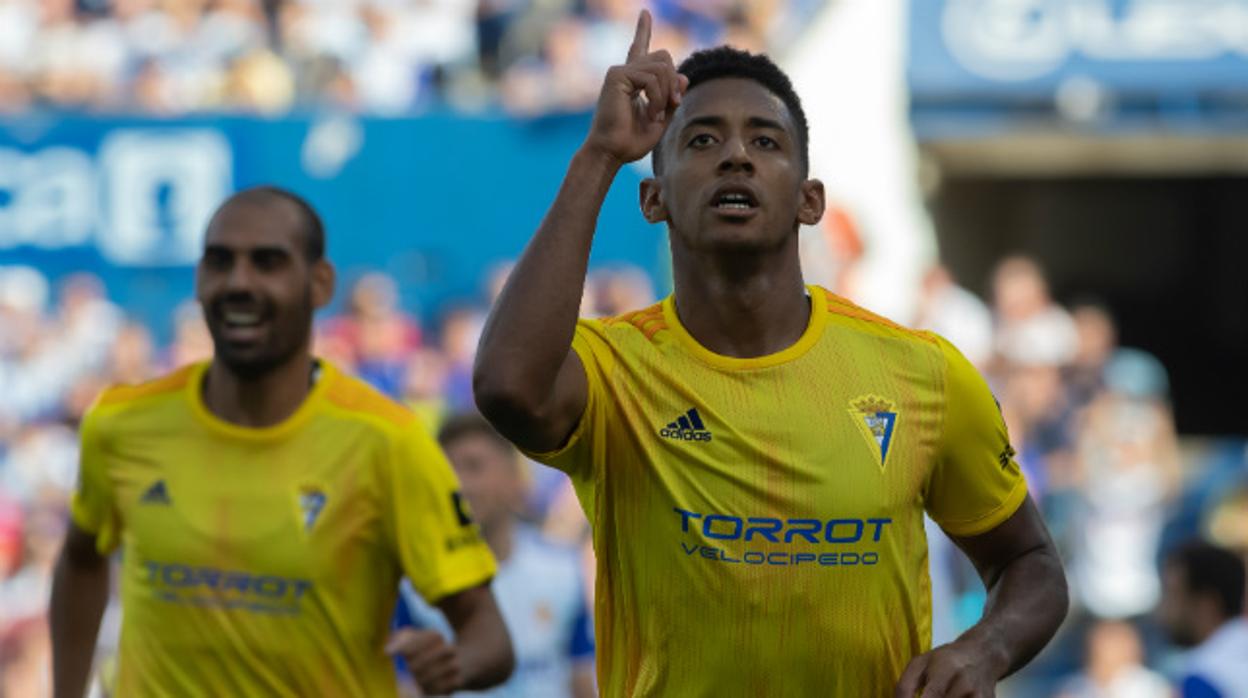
(436, 201)
(1015, 47)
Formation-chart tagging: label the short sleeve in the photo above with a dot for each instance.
(975, 484)
(93, 507)
(577, 454)
(428, 522)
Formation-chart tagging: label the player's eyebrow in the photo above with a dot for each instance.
(218, 248)
(763, 122)
(713, 121)
(719, 121)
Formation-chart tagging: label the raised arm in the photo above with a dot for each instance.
(79, 595)
(1027, 601)
(527, 381)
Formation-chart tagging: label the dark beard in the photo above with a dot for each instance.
(288, 341)
(253, 368)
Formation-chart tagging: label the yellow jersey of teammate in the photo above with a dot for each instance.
(266, 562)
(758, 522)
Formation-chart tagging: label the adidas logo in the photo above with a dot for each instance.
(687, 427)
(156, 494)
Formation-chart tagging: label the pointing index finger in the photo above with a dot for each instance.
(641, 40)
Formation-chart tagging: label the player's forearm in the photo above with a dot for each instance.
(582, 683)
(79, 596)
(1025, 607)
(530, 328)
(485, 654)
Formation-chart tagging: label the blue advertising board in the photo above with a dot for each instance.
(1170, 56)
(437, 201)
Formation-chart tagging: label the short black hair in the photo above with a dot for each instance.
(728, 62)
(465, 424)
(1209, 569)
(313, 229)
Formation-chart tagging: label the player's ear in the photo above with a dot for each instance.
(813, 202)
(651, 202)
(324, 278)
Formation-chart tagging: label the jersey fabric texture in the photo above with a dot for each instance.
(758, 522)
(541, 593)
(266, 562)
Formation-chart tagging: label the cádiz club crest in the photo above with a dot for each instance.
(311, 502)
(876, 418)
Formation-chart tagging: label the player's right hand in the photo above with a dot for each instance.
(433, 661)
(637, 100)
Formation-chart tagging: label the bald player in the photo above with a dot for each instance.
(267, 505)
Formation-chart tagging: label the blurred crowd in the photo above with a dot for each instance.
(1090, 420)
(387, 57)
(1094, 433)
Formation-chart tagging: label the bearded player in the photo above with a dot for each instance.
(756, 455)
(267, 505)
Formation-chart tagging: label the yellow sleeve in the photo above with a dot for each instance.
(93, 507)
(975, 484)
(438, 546)
(576, 456)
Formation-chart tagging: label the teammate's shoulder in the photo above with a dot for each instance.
(124, 395)
(851, 314)
(356, 398)
(648, 321)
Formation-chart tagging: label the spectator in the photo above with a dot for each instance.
(424, 385)
(376, 56)
(618, 290)
(191, 341)
(1113, 666)
(1031, 328)
(374, 337)
(956, 314)
(1097, 340)
(1127, 468)
(1202, 608)
(461, 328)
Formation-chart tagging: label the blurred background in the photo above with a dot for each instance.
(1058, 186)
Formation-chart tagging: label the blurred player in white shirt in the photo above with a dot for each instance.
(540, 586)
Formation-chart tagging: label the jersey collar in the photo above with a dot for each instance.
(814, 330)
(194, 387)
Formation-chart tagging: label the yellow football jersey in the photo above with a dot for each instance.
(266, 562)
(758, 522)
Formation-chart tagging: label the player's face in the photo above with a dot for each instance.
(1175, 610)
(733, 177)
(257, 286)
(488, 474)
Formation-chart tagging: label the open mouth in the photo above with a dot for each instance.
(734, 201)
(235, 319)
(241, 325)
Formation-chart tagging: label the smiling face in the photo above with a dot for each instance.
(258, 285)
(732, 175)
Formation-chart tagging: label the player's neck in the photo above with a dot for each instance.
(742, 306)
(257, 401)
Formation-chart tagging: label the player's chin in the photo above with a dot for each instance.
(737, 238)
(248, 360)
